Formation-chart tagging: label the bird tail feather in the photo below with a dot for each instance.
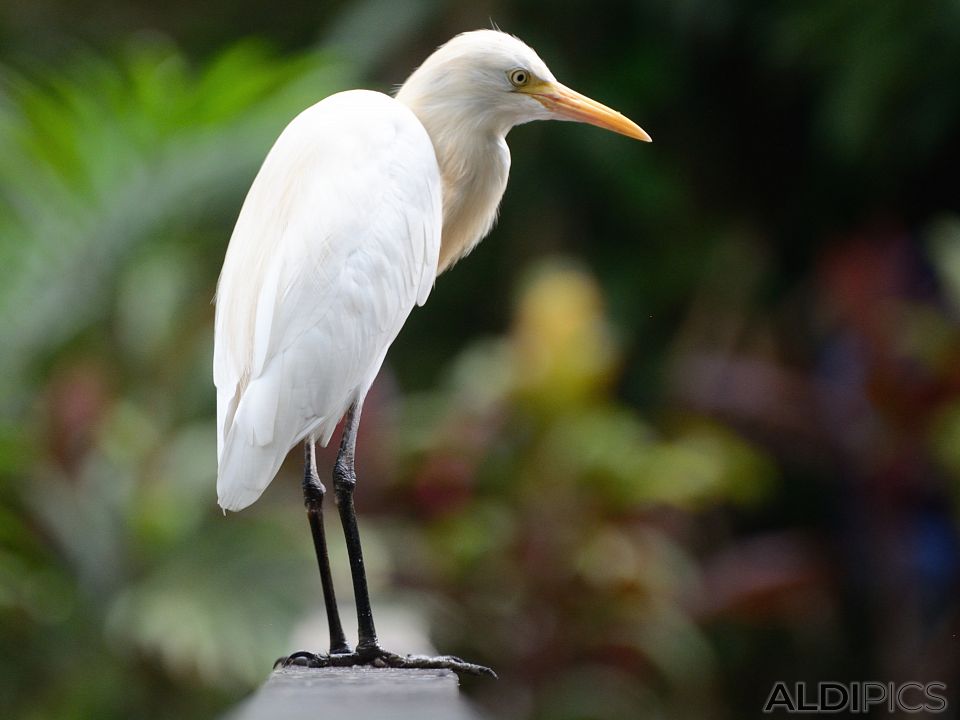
(255, 446)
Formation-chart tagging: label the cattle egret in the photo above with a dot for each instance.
(362, 201)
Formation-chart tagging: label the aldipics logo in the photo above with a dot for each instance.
(868, 696)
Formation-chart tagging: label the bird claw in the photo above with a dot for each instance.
(380, 658)
(301, 659)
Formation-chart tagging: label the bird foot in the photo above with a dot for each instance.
(376, 656)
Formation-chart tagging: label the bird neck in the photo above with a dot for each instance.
(474, 163)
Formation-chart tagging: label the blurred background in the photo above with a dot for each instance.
(685, 424)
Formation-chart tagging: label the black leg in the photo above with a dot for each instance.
(344, 481)
(368, 650)
(313, 492)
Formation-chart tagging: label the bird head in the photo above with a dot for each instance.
(491, 80)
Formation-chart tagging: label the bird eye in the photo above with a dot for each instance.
(518, 77)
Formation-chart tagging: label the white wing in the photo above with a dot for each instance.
(338, 238)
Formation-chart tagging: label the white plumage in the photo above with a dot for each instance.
(322, 270)
(340, 235)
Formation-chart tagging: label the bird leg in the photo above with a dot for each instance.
(368, 650)
(344, 481)
(313, 492)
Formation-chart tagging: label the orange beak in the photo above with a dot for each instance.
(571, 105)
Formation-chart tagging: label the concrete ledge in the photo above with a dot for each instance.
(358, 693)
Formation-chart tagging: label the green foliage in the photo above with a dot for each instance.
(539, 492)
(119, 580)
(110, 157)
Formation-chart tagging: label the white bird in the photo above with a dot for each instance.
(362, 201)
